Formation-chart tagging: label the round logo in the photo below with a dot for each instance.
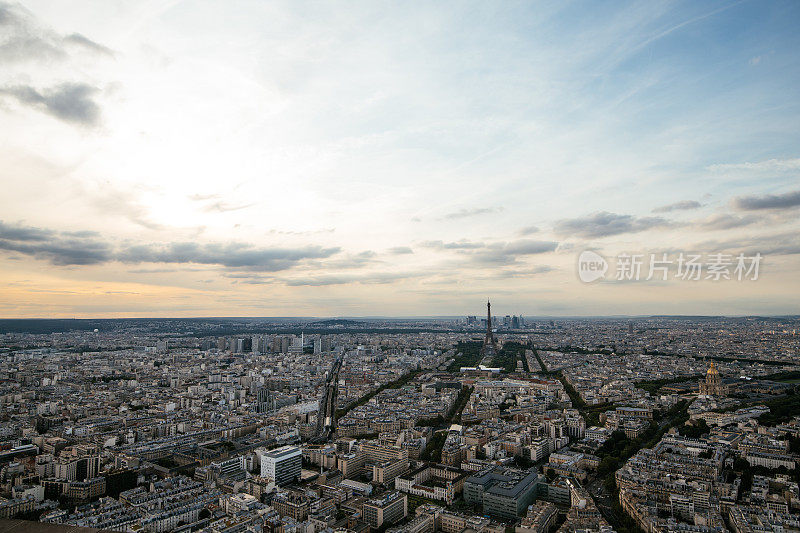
(591, 266)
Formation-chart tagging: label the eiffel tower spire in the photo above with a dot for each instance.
(489, 342)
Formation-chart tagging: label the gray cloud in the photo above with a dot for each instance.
(770, 165)
(496, 252)
(249, 278)
(459, 245)
(165, 270)
(465, 213)
(684, 205)
(522, 273)
(58, 248)
(24, 233)
(70, 102)
(400, 250)
(358, 260)
(605, 224)
(81, 234)
(62, 252)
(365, 279)
(770, 201)
(776, 244)
(528, 230)
(245, 275)
(88, 44)
(786, 244)
(231, 255)
(506, 253)
(22, 38)
(525, 247)
(64, 249)
(725, 221)
(153, 270)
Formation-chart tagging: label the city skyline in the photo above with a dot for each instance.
(180, 159)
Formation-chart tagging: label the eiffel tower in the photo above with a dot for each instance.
(489, 341)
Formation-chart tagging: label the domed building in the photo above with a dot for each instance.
(713, 385)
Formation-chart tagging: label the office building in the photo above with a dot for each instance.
(282, 465)
(389, 509)
(504, 493)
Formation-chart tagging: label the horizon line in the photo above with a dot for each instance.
(400, 317)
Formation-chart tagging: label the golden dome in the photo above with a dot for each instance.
(712, 371)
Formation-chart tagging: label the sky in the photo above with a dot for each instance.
(248, 158)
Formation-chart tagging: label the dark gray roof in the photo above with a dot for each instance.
(508, 482)
(26, 526)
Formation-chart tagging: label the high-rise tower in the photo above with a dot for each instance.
(489, 341)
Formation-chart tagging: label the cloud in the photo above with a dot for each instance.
(459, 245)
(496, 252)
(61, 249)
(777, 244)
(222, 207)
(773, 165)
(58, 248)
(22, 38)
(70, 102)
(770, 201)
(725, 221)
(24, 233)
(62, 252)
(684, 205)
(524, 273)
(249, 278)
(528, 230)
(465, 213)
(526, 247)
(120, 201)
(400, 250)
(605, 224)
(88, 44)
(366, 279)
(231, 255)
(203, 197)
(506, 253)
(81, 234)
(245, 275)
(164, 270)
(310, 232)
(350, 261)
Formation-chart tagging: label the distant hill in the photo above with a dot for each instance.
(338, 322)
